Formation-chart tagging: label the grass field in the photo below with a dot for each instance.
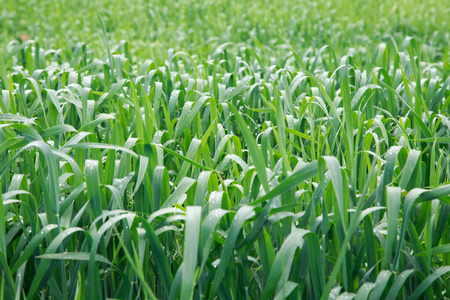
(224, 150)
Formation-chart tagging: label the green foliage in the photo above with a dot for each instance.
(196, 27)
(320, 174)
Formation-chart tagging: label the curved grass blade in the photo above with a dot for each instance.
(243, 214)
(283, 262)
(255, 152)
(428, 281)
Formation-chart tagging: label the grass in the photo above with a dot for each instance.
(270, 167)
(200, 27)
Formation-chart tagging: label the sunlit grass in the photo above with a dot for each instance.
(220, 173)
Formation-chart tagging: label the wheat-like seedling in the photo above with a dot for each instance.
(319, 174)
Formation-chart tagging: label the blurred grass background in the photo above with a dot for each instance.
(198, 27)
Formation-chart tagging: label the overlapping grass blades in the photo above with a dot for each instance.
(225, 178)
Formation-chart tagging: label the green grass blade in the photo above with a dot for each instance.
(193, 221)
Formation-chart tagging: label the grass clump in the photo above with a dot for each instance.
(233, 173)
